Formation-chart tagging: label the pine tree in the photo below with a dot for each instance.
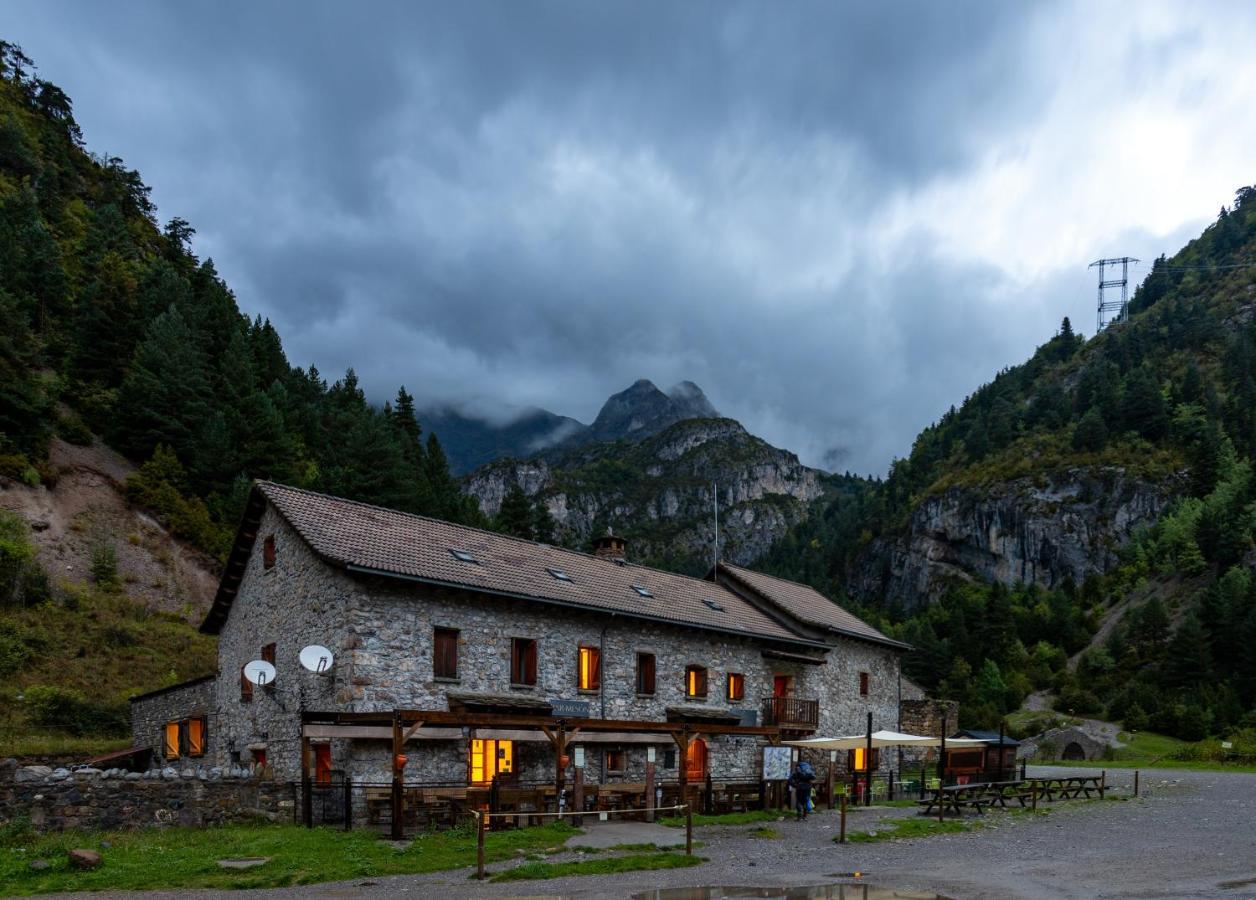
(164, 399)
(1143, 407)
(515, 515)
(544, 527)
(1090, 434)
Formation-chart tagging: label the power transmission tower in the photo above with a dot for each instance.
(1118, 307)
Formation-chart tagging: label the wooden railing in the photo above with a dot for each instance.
(791, 712)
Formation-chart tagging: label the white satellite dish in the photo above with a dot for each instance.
(316, 658)
(260, 672)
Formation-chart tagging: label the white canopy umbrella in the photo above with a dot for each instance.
(880, 739)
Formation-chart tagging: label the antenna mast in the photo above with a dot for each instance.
(1113, 306)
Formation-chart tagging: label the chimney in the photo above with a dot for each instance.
(610, 546)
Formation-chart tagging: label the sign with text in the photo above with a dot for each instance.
(574, 709)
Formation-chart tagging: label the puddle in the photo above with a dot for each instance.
(797, 892)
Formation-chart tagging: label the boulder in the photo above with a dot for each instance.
(84, 859)
(87, 772)
(40, 865)
(32, 773)
(169, 773)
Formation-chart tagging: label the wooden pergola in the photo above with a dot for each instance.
(403, 725)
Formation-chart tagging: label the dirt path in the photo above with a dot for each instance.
(1191, 834)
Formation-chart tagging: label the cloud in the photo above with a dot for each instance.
(837, 219)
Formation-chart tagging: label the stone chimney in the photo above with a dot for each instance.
(610, 546)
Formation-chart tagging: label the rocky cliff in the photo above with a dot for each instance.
(658, 492)
(1044, 530)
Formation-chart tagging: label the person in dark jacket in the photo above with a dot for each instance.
(800, 780)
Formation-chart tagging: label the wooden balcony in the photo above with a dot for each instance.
(791, 713)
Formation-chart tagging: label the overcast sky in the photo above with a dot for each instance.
(837, 218)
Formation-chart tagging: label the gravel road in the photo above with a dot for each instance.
(1191, 834)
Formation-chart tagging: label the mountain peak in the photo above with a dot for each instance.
(642, 410)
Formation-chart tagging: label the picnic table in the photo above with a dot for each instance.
(977, 795)
(1068, 787)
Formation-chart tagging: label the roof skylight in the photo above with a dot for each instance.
(463, 555)
(712, 604)
(642, 590)
(559, 574)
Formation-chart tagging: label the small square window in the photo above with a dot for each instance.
(268, 552)
(736, 686)
(463, 555)
(864, 683)
(559, 574)
(642, 590)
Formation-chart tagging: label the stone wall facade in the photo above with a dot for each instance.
(381, 630)
(150, 712)
(52, 800)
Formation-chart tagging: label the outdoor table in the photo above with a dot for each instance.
(1068, 787)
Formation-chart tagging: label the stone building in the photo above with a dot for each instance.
(448, 621)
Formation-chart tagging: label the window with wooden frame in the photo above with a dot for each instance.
(645, 674)
(865, 680)
(736, 686)
(184, 737)
(695, 681)
(445, 653)
(268, 552)
(322, 764)
(246, 688)
(589, 669)
(856, 760)
(523, 661)
(259, 758)
(616, 761)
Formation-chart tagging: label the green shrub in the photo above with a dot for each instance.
(72, 430)
(13, 650)
(68, 710)
(16, 555)
(104, 564)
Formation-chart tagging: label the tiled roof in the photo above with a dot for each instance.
(806, 604)
(368, 538)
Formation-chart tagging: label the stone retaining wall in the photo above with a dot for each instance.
(57, 799)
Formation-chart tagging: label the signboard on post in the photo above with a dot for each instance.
(575, 709)
(579, 757)
(776, 761)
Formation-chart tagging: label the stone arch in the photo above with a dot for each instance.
(1074, 751)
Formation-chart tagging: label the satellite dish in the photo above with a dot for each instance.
(260, 672)
(316, 658)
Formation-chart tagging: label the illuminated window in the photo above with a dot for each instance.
(268, 552)
(589, 669)
(259, 758)
(856, 761)
(196, 736)
(645, 673)
(486, 759)
(864, 680)
(695, 681)
(616, 761)
(736, 686)
(322, 764)
(171, 742)
(523, 661)
(445, 653)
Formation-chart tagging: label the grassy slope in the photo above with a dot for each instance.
(186, 858)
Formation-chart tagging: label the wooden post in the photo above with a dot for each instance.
(688, 830)
(1135, 782)
(649, 785)
(1103, 782)
(841, 835)
(307, 811)
(682, 742)
(868, 765)
(479, 845)
(1024, 763)
(398, 743)
(1002, 725)
(348, 803)
(577, 796)
(890, 794)
(709, 800)
(832, 773)
(923, 773)
(1033, 793)
(942, 771)
(560, 774)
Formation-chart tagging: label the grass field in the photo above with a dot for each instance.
(1147, 750)
(738, 818)
(609, 865)
(903, 829)
(187, 858)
